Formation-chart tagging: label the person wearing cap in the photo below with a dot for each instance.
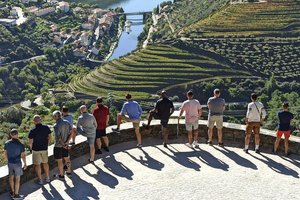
(284, 128)
(255, 117)
(68, 117)
(193, 111)
(101, 113)
(86, 126)
(62, 132)
(39, 139)
(164, 108)
(216, 107)
(131, 112)
(14, 151)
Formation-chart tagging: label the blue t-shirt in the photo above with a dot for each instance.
(40, 135)
(285, 118)
(132, 109)
(14, 149)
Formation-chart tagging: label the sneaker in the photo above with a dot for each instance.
(139, 146)
(221, 144)
(209, 143)
(98, 151)
(257, 151)
(273, 151)
(106, 149)
(60, 177)
(165, 145)
(245, 150)
(288, 154)
(18, 197)
(72, 143)
(65, 167)
(189, 145)
(39, 181)
(70, 174)
(11, 194)
(195, 144)
(115, 130)
(90, 161)
(47, 179)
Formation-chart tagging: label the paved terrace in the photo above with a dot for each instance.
(177, 172)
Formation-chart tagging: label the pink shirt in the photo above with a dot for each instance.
(191, 108)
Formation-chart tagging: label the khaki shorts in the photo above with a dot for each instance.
(39, 157)
(215, 119)
(253, 126)
(192, 126)
(136, 123)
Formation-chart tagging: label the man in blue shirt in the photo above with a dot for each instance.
(284, 128)
(14, 151)
(131, 112)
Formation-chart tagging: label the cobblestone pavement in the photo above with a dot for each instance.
(178, 172)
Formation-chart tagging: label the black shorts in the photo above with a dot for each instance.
(163, 122)
(100, 133)
(60, 153)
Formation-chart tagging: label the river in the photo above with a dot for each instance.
(127, 42)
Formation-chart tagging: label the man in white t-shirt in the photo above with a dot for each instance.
(255, 116)
(193, 111)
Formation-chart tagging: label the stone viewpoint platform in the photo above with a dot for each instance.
(176, 172)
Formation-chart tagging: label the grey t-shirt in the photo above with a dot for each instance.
(87, 125)
(216, 106)
(62, 130)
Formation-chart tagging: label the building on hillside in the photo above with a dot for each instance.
(99, 12)
(13, 12)
(44, 11)
(78, 10)
(106, 22)
(32, 9)
(64, 6)
(52, 2)
(80, 52)
(86, 38)
(28, 1)
(53, 27)
(87, 26)
(8, 22)
(93, 19)
(95, 51)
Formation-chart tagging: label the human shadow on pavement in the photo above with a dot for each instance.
(237, 158)
(52, 193)
(292, 159)
(148, 161)
(81, 189)
(181, 158)
(276, 166)
(103, 177)
(116, 167)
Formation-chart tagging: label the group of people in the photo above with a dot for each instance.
(93, 126)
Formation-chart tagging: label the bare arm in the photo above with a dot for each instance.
(107, 120)
(23, 156)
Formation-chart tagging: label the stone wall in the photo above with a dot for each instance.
(232, 132)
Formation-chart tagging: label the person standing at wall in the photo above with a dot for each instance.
(101, 113)
(39, 139)
(216, 106)
(68, 117)
(255, 117)
(284, 128)
(193, 111)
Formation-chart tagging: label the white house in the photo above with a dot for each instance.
(87, 26)
(64, 6)
(44, 11)
(2, 59)
(95, 51)
(85, 38)
(99, 12)
(8, 22)
(32, 9)
(14, 12)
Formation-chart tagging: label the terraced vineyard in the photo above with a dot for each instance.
(262, 37)
(147, 71)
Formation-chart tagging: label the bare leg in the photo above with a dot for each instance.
(257, 139)
(276, 144)
(98, 142)
(46, 169)
(190, 137)
(119, 120)
(166, 133)
(12, 184)
(38, 171)
(286, 145)
(106, 142)
(68, 163)
(196, 135)
(17, 184)
(60, 167)
(138, 135)
(220, 135)
(247, 139)
(210, 134)
(150, 117)
(92, 152)
(74, 133)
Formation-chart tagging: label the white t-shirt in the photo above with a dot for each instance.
(253, 113)
(191, 108)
